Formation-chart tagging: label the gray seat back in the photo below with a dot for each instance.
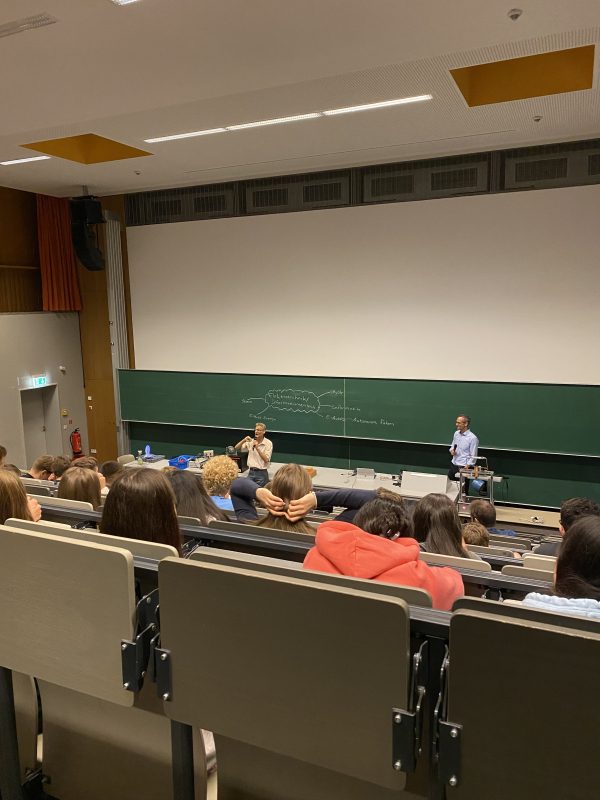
(292, 569)
(323, 667)
(535, 707)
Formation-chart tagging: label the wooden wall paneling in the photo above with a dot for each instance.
(20, 285)
(97, 364)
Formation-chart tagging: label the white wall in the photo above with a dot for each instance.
(497, 287)
(35, 344)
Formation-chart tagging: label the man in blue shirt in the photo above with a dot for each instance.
(463, 448)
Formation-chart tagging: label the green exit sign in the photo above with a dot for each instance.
(39, 380)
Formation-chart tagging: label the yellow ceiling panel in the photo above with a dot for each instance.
(531, 76)
(87, 148)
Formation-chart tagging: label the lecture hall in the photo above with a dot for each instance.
(299, 443)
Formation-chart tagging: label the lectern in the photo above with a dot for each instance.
(485, 484)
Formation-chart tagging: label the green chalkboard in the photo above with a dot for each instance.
(542, 418)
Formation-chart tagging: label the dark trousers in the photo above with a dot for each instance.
(259, 476)
(453, 476)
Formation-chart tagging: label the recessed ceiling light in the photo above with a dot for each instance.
(277, 121)
(189, 135)
(384, 104)
(23, 160)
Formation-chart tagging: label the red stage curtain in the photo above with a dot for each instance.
(58, 265)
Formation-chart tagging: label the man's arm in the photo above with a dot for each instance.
(452, 445)
(264, 452)
(473, 445)
(243, 443)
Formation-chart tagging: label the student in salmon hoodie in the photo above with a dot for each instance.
(378, 547)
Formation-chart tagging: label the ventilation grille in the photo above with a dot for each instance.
(548, 169)
(298, 192)
(392, 186)
(546, 166)
(594, 164)
(26, 24)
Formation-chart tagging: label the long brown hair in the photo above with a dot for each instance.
(436, 522)
(141, 505)
(13, 497)
(191, 498)
(291, 482)
(80, 483)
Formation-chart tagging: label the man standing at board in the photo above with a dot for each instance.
(259, 452)
(463, 448)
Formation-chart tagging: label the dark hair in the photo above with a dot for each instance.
(578, 565)
(383, 517)
(79, 483)
(42, 464)
(110, 470)
(60, 464)
(436, 522)
(191, 498)
(12, 468)
(141, 505)
(3, 452)
(13, 497)
(484, 512)
(575, 507)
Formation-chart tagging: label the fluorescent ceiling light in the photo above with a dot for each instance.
(23, 160)
(384, 104)
(296, 118)
(124, 2)
(189, 135)
(277, 121)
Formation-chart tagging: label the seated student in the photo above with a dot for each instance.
(191, 498)
(110, 470)
(60, 464)
(141, 505)
(475, 533)
(41, 469)
(437, 527)
(290, 498)
(80, 483)
(218, 474)
(89, 462)
(12, 468)
(570, 511)
(484, 512)
(577, 577)
(3, 454)
(378, 547)
(14, 501)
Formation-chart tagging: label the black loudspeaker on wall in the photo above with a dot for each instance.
(85, 213)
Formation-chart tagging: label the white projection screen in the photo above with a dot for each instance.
(499, 287)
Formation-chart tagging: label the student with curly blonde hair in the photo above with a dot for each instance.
(218, 474)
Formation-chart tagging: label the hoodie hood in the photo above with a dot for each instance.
(343, 549)
(353, 552)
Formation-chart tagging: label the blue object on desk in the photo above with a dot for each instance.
(181, 462)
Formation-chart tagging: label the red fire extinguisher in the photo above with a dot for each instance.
(75, 439)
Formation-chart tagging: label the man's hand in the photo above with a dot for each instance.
(248, 439)
(34, 509)
(300, 508)
(271, 502)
